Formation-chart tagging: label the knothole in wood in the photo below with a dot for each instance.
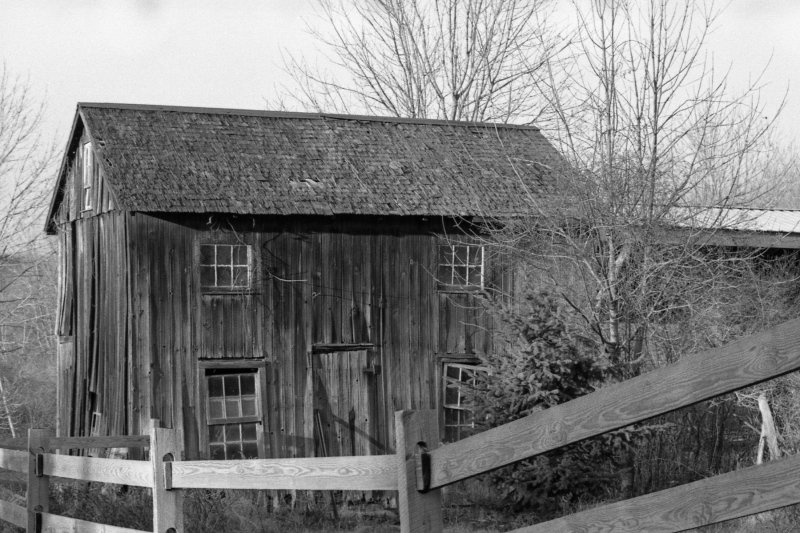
(167, 459)
(423, 463)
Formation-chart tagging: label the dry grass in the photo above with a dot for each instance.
(468, 507)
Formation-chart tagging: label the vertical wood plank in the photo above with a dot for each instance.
(419, 512)
(165, 445)
(38, 486)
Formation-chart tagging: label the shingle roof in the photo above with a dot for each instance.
(173, 159)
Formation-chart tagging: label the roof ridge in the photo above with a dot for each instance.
(301, 114)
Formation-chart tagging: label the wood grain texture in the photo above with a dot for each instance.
(78, 443)
(13, 513)
(119, 471)
(419, 512)
(375, 472)
(140, 321)
(166, 447)
(52, 523)
(15, 460)
(695, 378)
(708, 501)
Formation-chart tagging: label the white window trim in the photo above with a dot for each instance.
(216, 266)
(258, 418)
(451, 265)
(87, 175)
(453, 383)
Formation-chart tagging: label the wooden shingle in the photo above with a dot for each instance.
(174, 159)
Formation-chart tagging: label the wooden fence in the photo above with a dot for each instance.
(420, 468)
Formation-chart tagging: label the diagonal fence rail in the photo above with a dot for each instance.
(694, 378)
(419, 469)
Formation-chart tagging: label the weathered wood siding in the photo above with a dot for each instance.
(92, 358)
(162, 369)
(344, 320)
(93, 312)
(316, 284)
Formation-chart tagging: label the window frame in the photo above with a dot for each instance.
(452, 284)
(225, 289)
(87, 176)
(208, 368)
(466, 363)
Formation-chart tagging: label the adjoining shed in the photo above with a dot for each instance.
(277, 284)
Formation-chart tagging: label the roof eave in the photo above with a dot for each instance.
(58, 192)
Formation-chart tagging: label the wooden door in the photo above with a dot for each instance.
(347, 417)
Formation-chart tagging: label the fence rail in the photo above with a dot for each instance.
(747, 491)
(420, 468)
(377, 472)
(693, 379)
(118, 471)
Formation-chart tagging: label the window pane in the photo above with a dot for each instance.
(250, 450)
(215, 434)
(216, 409)
(215, 386)
(475, 276)
(224, 276)
(232, 385)
(207, 277)
(207, 254)
(249, 407)
(232, 409)
(450, 417)
(459, 275)
(249, 432)
(233, 451)
(460, 255)
(232, 432)
(240, 254)
(475, 255)
(451, 396)
(248, 383)
(240, 277)
(217, 452)
(223, 254)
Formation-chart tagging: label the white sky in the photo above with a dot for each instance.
(220, 53)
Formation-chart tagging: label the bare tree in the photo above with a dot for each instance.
(657, 151)
(652, 138)
(452, 59)
(25, 311)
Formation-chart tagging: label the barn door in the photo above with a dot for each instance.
(346, 414)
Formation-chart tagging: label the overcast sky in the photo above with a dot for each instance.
(228, 53)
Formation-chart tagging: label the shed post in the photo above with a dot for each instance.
(38, 496)
(420, 509)
(166, 445)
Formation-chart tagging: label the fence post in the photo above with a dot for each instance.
(38, 496)
(420, 509)
(166, 445)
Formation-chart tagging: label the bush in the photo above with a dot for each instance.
(544, 364)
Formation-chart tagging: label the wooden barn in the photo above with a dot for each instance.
(277, 284)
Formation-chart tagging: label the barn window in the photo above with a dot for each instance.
(225, 266)
(459, 420)
(461, 266)
(233, 413)
(87, 175)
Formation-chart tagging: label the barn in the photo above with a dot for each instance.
(278, 284)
